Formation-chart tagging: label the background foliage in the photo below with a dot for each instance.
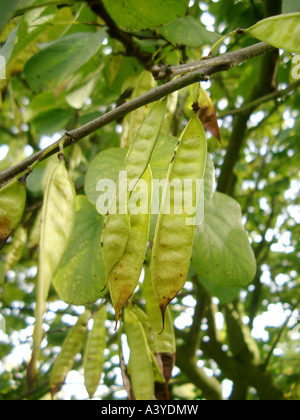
(64, 68)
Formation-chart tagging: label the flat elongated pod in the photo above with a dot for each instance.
(125, 275)
(71, 346)
(93, 354)
(140, 361)
(57, 221)
(117, 223)
(174, 234)
(12, 204)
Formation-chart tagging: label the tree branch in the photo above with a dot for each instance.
(260, 101)
(132, 49)
(213, 66)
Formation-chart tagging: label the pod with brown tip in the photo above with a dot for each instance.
(174, 234)
(117, 224)
(125, 275)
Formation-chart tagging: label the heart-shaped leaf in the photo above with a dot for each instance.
(80, 276)
(222, 253)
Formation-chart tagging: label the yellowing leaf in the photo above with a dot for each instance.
(207, 113)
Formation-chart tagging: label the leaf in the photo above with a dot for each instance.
(188, 31)
(59, 60)
(93, 354)
(71, 346)
(142, 14)
(7, 9)
(32, 24)
(140, 362)
(12, 204)
(222, 253)
(57, 221)
(80, 276)
(223, 293)
(281, 31)
(105, 165)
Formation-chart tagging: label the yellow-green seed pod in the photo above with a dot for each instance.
(12, 204)
(93, 355)
(164, 341)
(57, 221)
(174, 234)
(117, 223)
(125, 275)
(71, 346)
(140, 362)
(15, 249)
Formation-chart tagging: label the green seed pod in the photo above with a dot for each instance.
(93, 355)
(12, 204)
(174, 234)
(125, 275)
(117, 223)
(15, 249)
(140, 362)
(57, 221)
(71, 346)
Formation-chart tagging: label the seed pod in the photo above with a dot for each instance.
(57, 221)
(71, 346)
(15, 248)
(140, 362)
(164, 341)
(12, 204)
(125, 275)
(132, 121)
(93, 355)
(174, 234)
(117, 224)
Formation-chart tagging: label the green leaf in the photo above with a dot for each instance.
(145, 14)
(105, 165)
(32, 24)
(7, 9)
(188, 31)
(222, 253)
(59, 60)
(80, 276)
(281, 31)
(223, 293)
